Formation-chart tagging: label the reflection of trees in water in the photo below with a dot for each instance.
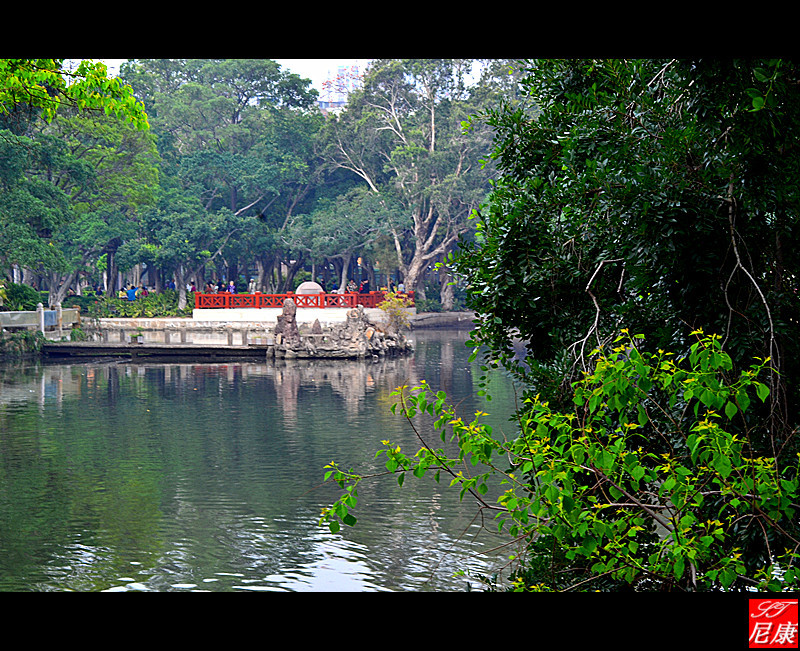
(350, 380)
(23, 383)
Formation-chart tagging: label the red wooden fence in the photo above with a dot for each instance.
(224, 300)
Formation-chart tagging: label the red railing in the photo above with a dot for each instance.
(224, 300)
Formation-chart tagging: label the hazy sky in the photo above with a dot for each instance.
(317, 70)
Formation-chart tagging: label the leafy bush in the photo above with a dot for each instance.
(433, 302)
(20, 297)
(428, 304)
(394, 306)
(163, 304)
(661, 477)
(84, 302)
(78, 334)
(20, 343)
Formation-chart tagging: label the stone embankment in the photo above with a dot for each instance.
(288, 333)
(461, 320)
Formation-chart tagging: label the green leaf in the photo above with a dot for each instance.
(743, 399)
(678, 567)
(722, 464)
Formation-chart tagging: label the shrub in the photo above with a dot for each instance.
(163, 304)
(20, 297)
(394, 306)
(84, 302)
(662, 476)
(21, 343)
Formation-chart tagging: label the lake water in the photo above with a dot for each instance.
(180, 477)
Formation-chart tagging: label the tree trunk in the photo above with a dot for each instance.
(412, 276)
(345, 258)
(291, 271)
(111, 269)
(233, 270)
(261, 275)
(369, 268)
(447, 291)
(180, 282)
(59, 287)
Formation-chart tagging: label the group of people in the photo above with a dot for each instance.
(361, 288)
(213, 287)
(133, 292)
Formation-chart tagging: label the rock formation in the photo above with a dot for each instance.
(357, 337)
(286, 329)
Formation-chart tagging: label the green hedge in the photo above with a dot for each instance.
(163, 304)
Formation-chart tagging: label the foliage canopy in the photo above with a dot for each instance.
(45, 85)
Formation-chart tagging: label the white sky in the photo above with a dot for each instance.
(317, 70)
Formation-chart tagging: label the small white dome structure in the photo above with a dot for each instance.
(309, 288)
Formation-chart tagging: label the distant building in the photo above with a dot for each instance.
(330, 107)
(336, 89)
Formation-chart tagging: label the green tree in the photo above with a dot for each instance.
(339, 229)
(32, 208)
(643, 483)
(653, 195)
(179, 235)
(402, 134)
(123, 164)
(71, 187)
(44, 179)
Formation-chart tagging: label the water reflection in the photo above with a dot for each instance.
(159, 477)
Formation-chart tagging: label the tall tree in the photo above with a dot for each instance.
(123, 163)
(32, 208)
(45, 180)
(222, 124)
(178, 234)
(339, 229)
(656, 196)
(403, 133)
